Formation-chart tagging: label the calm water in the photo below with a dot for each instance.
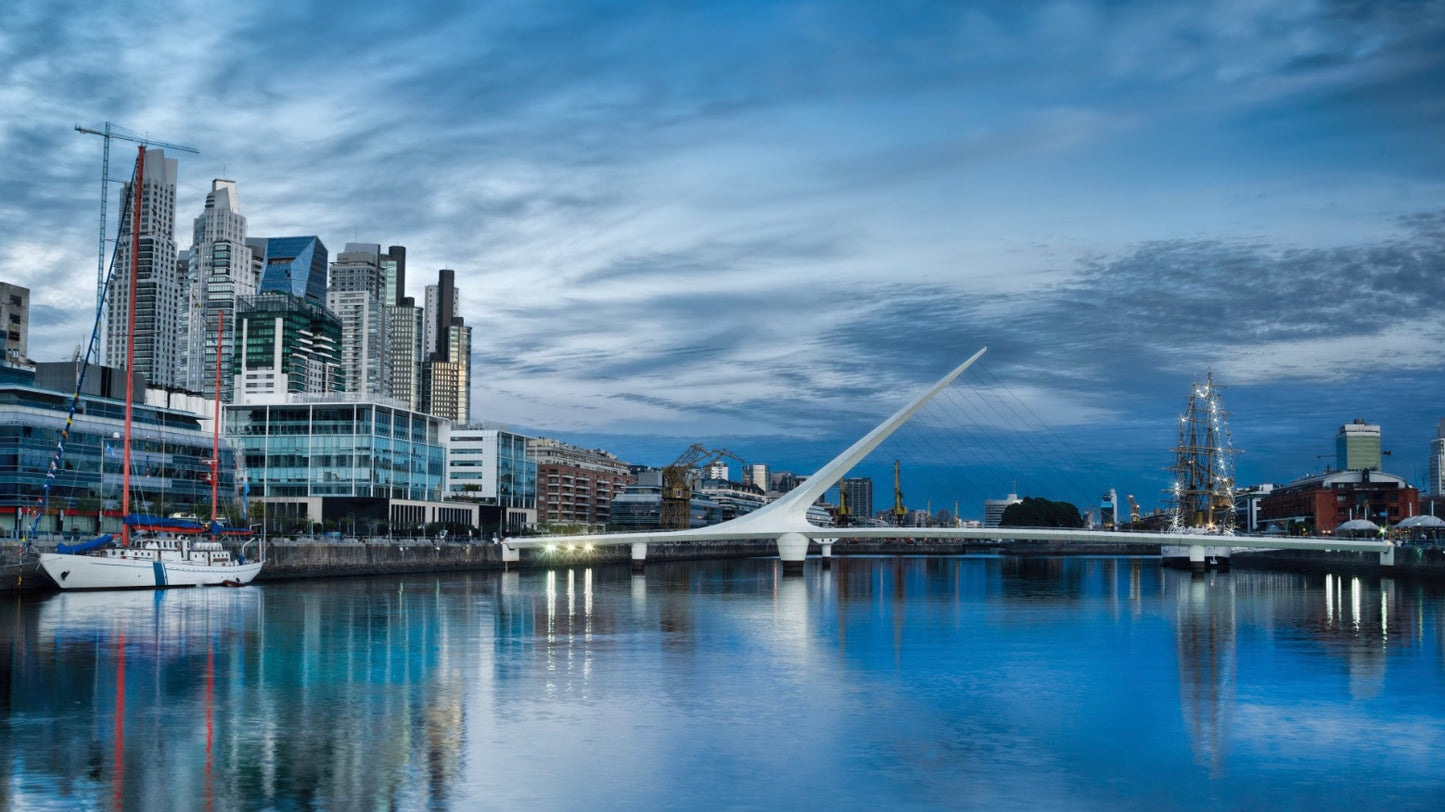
(884, 683)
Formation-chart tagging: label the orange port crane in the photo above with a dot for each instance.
(677, 480)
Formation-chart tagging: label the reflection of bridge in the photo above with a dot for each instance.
(786, 519)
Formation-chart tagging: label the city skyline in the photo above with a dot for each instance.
(761, 226)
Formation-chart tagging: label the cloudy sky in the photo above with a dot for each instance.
(760, 226)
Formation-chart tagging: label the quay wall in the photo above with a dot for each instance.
(1410, 561)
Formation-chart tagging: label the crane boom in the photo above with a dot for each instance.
(108, 132)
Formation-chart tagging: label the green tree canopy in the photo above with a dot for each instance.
(1035, 511)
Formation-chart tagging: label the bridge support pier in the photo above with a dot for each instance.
(793, 550)
(510, 555)
(639, 557)
(1196, 558)
(1387, 557)
(826, 546)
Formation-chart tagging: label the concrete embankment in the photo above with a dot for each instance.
(290, 559)
(1410, 561)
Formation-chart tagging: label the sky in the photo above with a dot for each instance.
(762, 226)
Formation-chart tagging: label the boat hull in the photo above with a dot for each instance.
(1215, 558)
(109, 572)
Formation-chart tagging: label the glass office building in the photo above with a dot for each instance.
(326, 448)
(170, 456)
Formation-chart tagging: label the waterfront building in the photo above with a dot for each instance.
(1319, 503)
(490, 466)
(1357, 446)
(160, 294)
(14, 324)
(993, 509)
(285, 344)
(756, 474)
(367, 467)
(732, 499)
(576, 485)
(170, 451)
(857, 498)
(294, 265)
(1435, 486)
(783, 481)
(357, 295)
(1246, 507)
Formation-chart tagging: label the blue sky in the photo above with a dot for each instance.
(760, 226)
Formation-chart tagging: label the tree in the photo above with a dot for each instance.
(1035, 511)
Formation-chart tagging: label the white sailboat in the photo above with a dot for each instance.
(152, 552)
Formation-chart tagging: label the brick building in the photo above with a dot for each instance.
(1322, 502)
(574, 484)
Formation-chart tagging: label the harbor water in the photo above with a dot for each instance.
(882, 682)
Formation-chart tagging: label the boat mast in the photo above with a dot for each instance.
(216, 429)
(130, 344)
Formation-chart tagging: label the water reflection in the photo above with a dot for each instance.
(927, 681)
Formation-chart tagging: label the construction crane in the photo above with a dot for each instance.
(677, 480)
(110, 132)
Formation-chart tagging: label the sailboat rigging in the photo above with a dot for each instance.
(178, 558)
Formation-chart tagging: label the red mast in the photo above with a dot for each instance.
(130, 343)
(216, 429)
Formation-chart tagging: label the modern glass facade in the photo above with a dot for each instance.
(491, 467)
(170, 455)
(294, 265)
(286, 344)
(328, 449)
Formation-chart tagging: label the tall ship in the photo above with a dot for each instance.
(1201, 499)
(151, 551)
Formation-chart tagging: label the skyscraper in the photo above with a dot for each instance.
(404, 349)
(356, 295)
(1436, 485)
(1357, 446)
(14, 322)
(160, 293)
(285, 344)
(294, 265)
(858, 496)
(446, 372)
(220, 272)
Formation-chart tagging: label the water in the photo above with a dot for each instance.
(886, 683)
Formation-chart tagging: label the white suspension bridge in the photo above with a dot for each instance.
(786, 521)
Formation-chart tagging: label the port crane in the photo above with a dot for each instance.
(677, 479)
(110, 132)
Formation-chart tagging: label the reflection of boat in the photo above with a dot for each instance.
(1202, 497)
(180, 557)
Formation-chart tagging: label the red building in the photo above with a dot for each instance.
(1323, 502)
(575, 485)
